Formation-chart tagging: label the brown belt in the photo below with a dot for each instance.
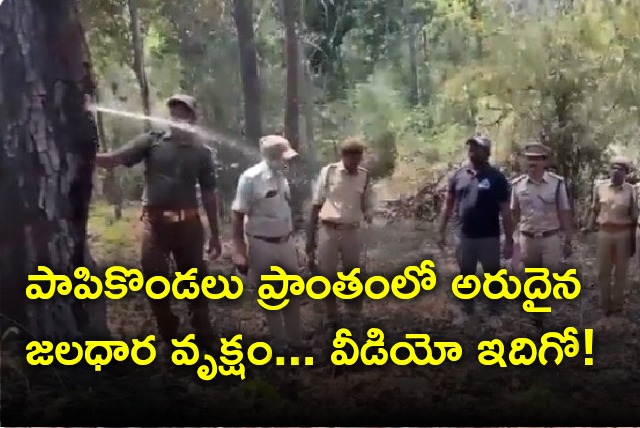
(613, 227)
(340, 226)
(272, 240)
(534, 235)
(172, 215)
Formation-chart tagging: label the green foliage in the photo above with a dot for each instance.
(566, 74)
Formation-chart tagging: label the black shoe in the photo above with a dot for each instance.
(468, 308)
(538, 323)
(329, 327)
(613, 313)
(169, 329)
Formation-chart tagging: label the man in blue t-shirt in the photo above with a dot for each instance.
(478, 195)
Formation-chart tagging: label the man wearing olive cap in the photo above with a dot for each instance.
(540, 205)
(342, 200)
(175, 161)
(615, 208)
(478, 193)
(262, 213)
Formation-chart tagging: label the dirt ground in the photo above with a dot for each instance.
(614, 377)
(389, 247)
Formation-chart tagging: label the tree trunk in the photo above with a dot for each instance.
(292, 109)
(138, 59)
(243, 15)
(47, 158)
(476, 18)
(291, 113)
(306, 89)
(413, 54)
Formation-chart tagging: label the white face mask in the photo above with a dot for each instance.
(275, 164)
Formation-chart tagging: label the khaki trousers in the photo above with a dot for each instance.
(335, 245)
(542, 253)
(613, 254)
(284, 325)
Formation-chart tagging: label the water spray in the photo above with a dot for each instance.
(198, 130)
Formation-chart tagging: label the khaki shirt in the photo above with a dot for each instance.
(263, 195)
(539, 202)
(345, 198)
(618, 204)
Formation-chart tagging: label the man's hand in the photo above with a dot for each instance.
(507, 251)
(215, 247)
(105, 160)
(239, 258)
(567, 249)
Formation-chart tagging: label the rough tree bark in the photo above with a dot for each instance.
(291, 112)
(243, 15)
(47, 152)
(137, 44)
(292, 108)
(306, 90)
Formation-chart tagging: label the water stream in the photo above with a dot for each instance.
(204, 133)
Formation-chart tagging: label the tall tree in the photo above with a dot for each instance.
(243, 16)
(46, 156)
(292, 108)
(407, 6)
(306, 91)
(137, 44)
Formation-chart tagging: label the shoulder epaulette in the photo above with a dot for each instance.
(363, 169)
(556, 176)
(455, 171)
(518, 179)
(252, 171)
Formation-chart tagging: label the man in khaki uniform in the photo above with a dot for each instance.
(615, 209)
(540, 205)
(262, 212)
(342, 200)
(175, 162)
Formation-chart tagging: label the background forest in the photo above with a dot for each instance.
(413, 76)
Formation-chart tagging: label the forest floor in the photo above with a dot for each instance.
(534, 391)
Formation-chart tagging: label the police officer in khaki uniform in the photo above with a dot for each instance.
(175, 162)
(342, 199)
(540, 205)
(262, 212)
(615, 209)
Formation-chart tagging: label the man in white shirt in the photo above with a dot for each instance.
(262, 212)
